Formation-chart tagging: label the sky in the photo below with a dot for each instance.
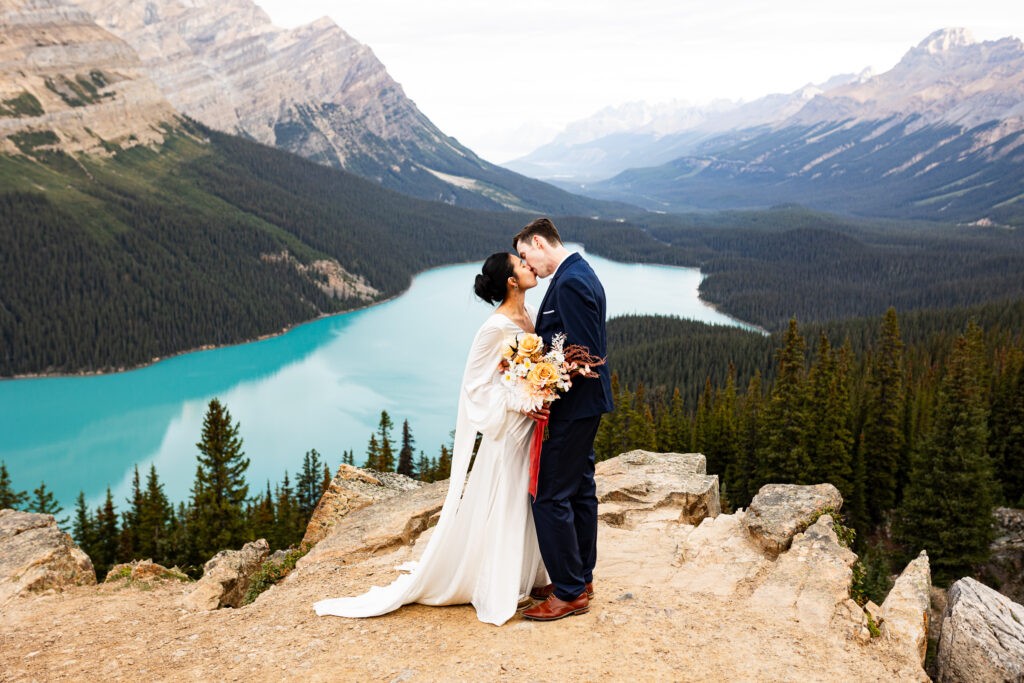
(504, 78)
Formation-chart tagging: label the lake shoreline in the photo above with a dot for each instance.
(285, 330)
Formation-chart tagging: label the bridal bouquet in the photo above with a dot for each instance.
(535, 376)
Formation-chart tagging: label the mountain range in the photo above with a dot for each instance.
(314, 91)
(937, 136)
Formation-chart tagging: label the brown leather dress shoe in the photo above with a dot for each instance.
(553, 608)
(543, 592)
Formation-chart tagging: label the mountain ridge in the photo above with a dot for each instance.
(317, 92)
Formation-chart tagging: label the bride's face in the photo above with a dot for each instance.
(525, 277)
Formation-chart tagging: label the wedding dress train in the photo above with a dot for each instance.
(484, 549)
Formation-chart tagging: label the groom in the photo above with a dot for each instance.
(565, 510)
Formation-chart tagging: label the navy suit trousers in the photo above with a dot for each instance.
(565, 511)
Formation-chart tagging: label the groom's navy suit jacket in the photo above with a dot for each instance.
(575, 304)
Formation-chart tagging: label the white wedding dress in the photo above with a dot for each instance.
(484, 549)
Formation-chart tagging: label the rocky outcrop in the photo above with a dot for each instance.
(226, 577)
(351, 489)
(1005, 567)
(698, 601)
(904, 614)
(142, 571)
(780, 511)
(640, 480)
(982, 637)
(809, 581)
(35, 556)
(67, 84)
(719, 555)
(397, 521)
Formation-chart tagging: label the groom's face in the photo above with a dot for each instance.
(536, 255)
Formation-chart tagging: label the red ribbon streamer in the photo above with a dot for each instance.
(535, 445)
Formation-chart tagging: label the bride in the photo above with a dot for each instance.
(484, 549)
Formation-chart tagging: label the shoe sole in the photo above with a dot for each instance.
(582, 610)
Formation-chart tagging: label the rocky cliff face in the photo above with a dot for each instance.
(682, 591)
(312, 90)
(67, 84)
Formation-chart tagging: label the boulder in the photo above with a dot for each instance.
(35, 555)
(226, 577)
(392, 522)
(353, 488)
(982, 637)
(142, 570)
(904, 613)
(640, 480)
(810, 580)
(779, 511)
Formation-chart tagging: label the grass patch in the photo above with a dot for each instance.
(872, 626)
(24, 104)
(30, 140)
(271, 573)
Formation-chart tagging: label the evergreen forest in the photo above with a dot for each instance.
(918, 421)
(209, 239)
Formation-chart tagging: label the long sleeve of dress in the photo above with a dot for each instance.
(486, 399)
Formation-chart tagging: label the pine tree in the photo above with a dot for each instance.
(373, 454)
(423, 468)
(107, 534)
(405, 455)
(883, 446)
(325, 482)
(219, 490)
(153, 520)
(612, 429)
(348, 458)
(783, 457)
(721, 438)
(128, 545)
(386, 455)
(308, 485)
(286, 513)
(702, 418)
(828, 439)
(83, 528)
(443, 468)
(44, 502)
(741, 478)
(674, 426)
(640, 433)
(262, 520)
(947, 507)
(9, 498)
(1007, 437)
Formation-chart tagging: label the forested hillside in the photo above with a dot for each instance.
(107, 263)
(212, 239)
(766, 266)
(917, 421)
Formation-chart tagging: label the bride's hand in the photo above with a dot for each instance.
(539, 415)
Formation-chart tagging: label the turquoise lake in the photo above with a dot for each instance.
(322, 385)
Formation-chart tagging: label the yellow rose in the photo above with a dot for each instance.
(508, 348)
(543, 375)
(529, 345)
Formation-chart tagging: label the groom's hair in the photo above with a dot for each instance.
(543, 227)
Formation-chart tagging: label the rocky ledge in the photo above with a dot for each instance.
(36, 556)
(682, 592)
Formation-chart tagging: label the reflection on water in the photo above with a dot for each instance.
(322, 385)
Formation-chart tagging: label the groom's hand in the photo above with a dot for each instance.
(539, 415)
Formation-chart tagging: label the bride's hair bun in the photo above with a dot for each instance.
(490, 283)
